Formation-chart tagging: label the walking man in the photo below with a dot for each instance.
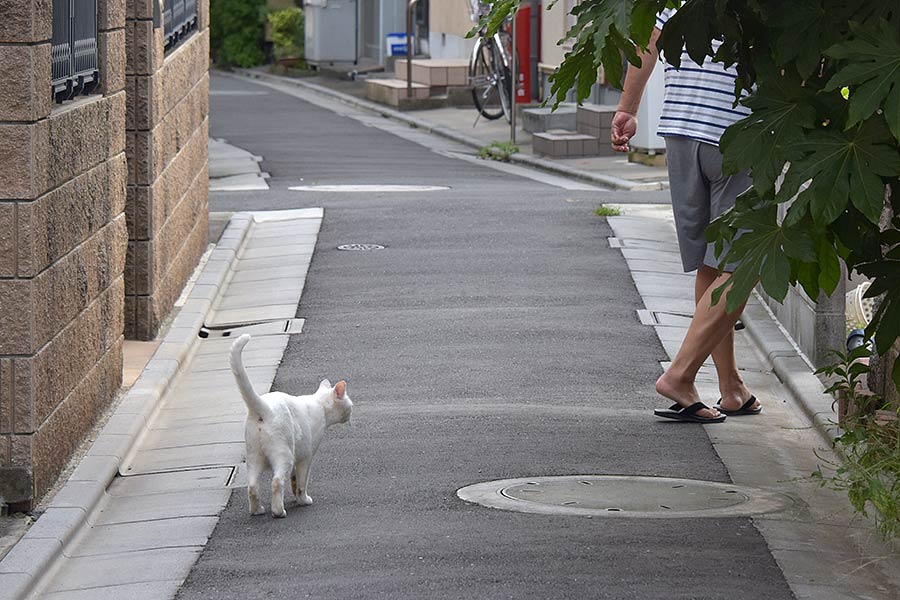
(696, 110)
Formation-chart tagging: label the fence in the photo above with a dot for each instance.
(74, 51)
(180, 17)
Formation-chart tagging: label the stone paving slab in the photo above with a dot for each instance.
(283, 240)
(200, 435)
(193, 457)
(132, 591)
(670, 291)
(282, 252)
(652, 255)
(271, 262)
(294, 284)
(284, 273)
(96, 572)
(146, 535)
(170, 505)
(162, 483)
(253, 299)
(654, 266)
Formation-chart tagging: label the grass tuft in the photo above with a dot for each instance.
(607, 211)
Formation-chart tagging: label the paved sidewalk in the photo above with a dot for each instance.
(130, 523)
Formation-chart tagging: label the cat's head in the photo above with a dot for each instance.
(341, 404)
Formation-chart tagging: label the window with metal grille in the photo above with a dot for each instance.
(74, 50)
(180, 17)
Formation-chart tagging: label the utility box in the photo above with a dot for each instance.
(331, 31)
(645, 139)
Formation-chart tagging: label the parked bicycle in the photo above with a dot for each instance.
(489, 68)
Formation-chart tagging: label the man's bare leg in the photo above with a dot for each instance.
(731, 386)
(709, 328)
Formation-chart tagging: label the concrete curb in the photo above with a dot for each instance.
(445, 132)
(794, 372)
(34, 555)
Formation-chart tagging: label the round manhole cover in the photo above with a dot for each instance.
(624, 496)
(360, 247)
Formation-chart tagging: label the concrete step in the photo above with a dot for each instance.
(595, 120)
(540, 119)
(435, 72)
(559, 143)
(393, 91)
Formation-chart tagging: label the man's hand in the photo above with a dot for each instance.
(624, 126)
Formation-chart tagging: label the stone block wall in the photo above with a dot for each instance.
(63, 241)
(167, 129)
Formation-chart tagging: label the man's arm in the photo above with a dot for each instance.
(624, 123)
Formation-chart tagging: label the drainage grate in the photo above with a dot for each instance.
(360, 247)
(277, 327)
(624, 496)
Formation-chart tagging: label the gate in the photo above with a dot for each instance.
(74, 55)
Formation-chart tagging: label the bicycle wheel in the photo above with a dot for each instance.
(485, 76)
(502, 48)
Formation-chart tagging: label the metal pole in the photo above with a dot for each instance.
(409, 53)
(514, 84)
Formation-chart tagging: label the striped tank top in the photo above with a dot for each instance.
(699, 99)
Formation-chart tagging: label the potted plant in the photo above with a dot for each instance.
(286, 30)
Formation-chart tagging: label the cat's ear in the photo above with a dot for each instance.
(325, 384)
(340, 389)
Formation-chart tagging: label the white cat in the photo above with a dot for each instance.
(282, 432)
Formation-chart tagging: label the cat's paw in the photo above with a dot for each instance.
(279, 514)
(304, 500)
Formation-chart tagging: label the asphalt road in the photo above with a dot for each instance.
(495, 336)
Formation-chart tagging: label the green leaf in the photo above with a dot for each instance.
(871, 69)
(842, 167)
(775, 274)
(691, 28)
(782, 111)
(829, 266)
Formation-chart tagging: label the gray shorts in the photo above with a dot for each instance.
(700, 194)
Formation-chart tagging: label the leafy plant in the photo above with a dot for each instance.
(607, 211)
(870, 449)
(286, 29)
(822, 78)
(236, 32)
(501, 151)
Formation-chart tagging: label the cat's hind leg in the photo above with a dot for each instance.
(301, 474)
(281, 473)
(254, 468)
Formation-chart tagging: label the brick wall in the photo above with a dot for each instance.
(167, 128)
(63, 243)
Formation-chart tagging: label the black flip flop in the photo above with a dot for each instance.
(687, 413)
(746, 409)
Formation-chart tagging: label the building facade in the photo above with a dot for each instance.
(103, 208)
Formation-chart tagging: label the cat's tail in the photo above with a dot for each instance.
(254, 403)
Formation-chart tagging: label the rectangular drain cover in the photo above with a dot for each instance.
(277, 327)
(658, 317)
